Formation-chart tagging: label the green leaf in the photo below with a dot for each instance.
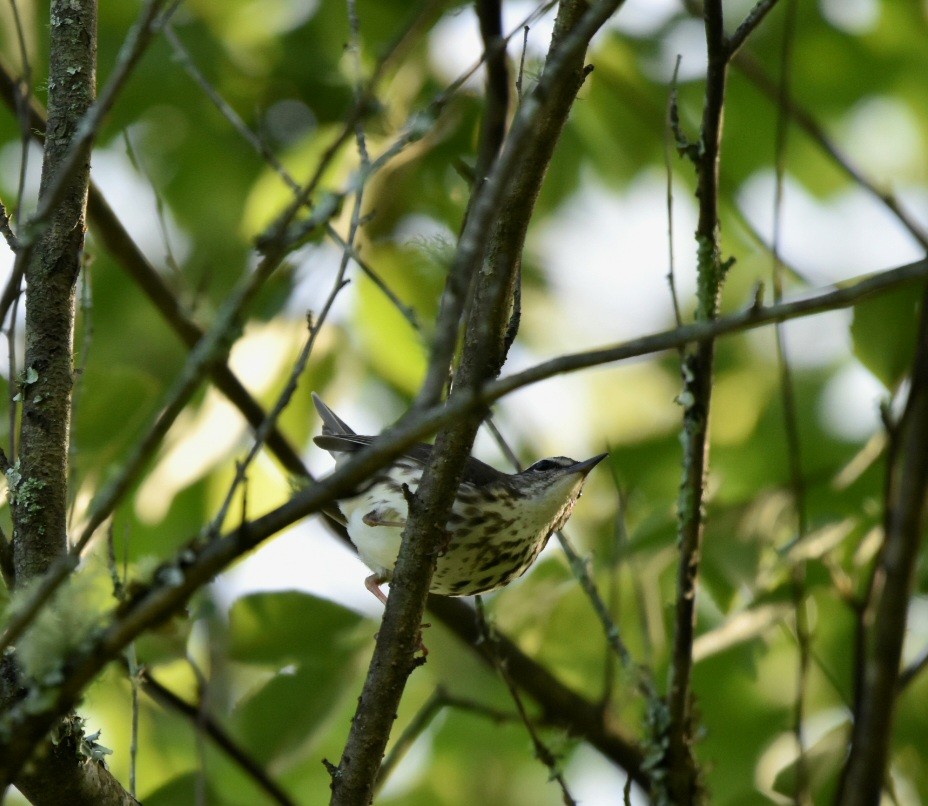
(395, 349)
(824, 761)
(182, 789)
(884, 333)
(114, 407)
(284, 713)
(286, 627)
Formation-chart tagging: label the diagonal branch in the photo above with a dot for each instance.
(560, 705)
(218, 734)
(194, 566)
(748, 65)
(49, 258)
(750, 23)
(114, 237)
(805, 120)
(211, 349)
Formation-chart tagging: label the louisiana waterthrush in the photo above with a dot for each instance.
(499, 522)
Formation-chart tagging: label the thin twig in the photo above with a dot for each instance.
(610, 629)
(136, 161)
(13, 389)
(212, 348)
(581, 571)
(542, 752)
(135, 44)
(913, 670)
(521, 74)
(806, 121)
(183, 576)
(752, 69)
(802, 794)
(6, 230)
(439, 699)
(80, 367)
(681, 773)
(622, 546)
(754, 18)
(419, 723)
(672, 122)
(217, 734)
(314, 327)
(113, 236)
(135, 673)
(905, 511)
(23, 94)
(186, 61)
(294, 234)
(496, 106)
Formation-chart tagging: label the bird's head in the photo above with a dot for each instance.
(557, 476)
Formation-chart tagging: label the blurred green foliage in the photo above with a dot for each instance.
(281, 670)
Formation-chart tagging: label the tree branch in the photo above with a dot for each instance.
(115, 239)
(38, 490)
(38, 483)
(560, 705)
(195, 565)
(218, 735)
(754, 18)
(503, 205)
(496, 106)
(683, 778)
(745, 63)
(903, 523)
(749, 66)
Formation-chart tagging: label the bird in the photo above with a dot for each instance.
(498, 525)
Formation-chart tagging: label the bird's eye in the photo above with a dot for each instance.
(544, 464)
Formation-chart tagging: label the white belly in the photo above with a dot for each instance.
(378, 546)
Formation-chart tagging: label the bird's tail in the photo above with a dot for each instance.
(331, 423)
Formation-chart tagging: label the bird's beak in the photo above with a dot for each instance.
(588, 465)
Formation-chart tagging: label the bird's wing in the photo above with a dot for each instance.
(341, 443)
(480, 474)
(331, 422)
(338, 437)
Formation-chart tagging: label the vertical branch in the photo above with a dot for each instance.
(493, 127)
(903, 524)
(22, 92)
(499, 214)
(682, 773)
(38, 489)
(38, 483)
(801, 794)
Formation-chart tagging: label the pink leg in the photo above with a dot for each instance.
(373, 583)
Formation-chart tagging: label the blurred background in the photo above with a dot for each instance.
(277, 647)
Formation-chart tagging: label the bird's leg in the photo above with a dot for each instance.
(422, 647)
(390, 517)
(373, 583)
(377, 517)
